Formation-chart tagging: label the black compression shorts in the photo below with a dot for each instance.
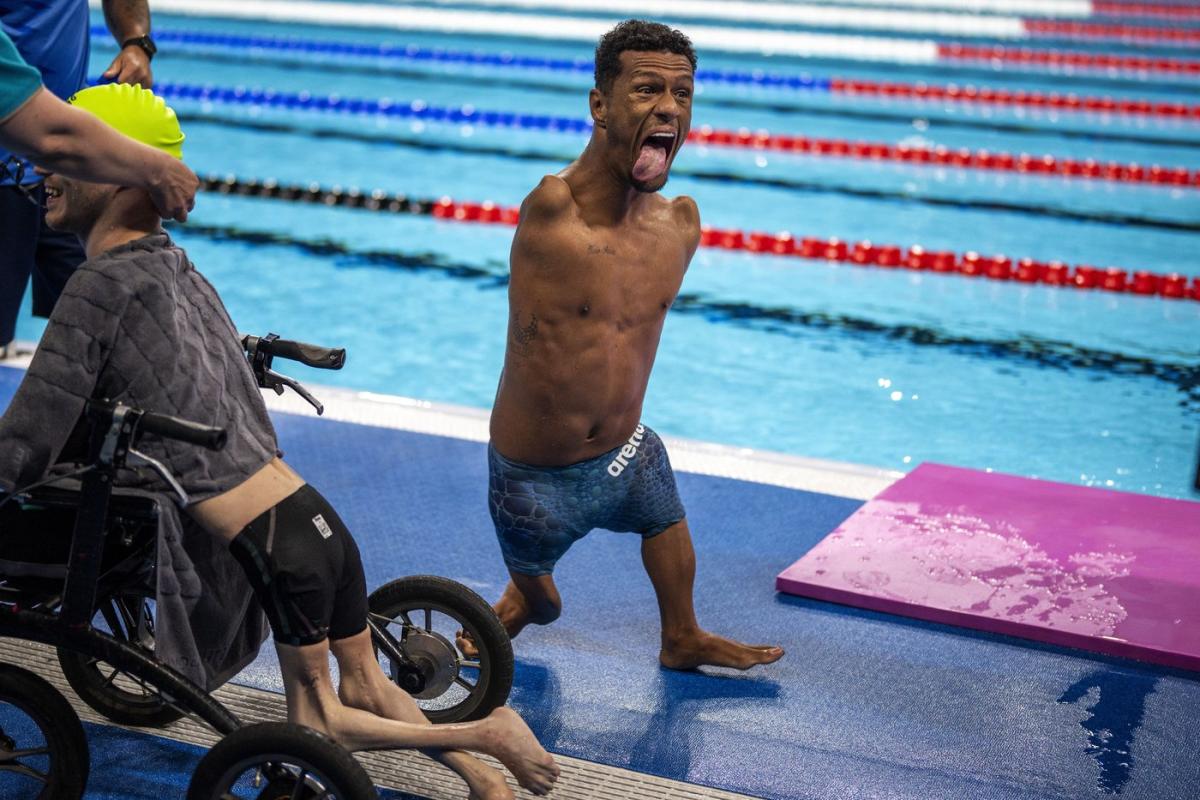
(305, 569)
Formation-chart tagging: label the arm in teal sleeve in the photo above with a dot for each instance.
(18, 81)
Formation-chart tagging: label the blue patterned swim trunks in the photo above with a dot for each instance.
(539, 512)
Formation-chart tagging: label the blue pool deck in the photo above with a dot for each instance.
(864, 705)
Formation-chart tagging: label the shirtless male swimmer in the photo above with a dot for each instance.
(596, 262)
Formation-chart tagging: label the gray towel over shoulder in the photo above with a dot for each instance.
(138, 324)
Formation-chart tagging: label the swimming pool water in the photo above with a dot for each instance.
(830, 361)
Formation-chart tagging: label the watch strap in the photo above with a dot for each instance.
(144, 42)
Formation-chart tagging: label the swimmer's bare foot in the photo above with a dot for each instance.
(466, 645)
(511, 741)
(488, 784)
(706, 649)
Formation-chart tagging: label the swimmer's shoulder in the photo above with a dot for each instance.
(549, 200)
(685, 215)
(686, 211)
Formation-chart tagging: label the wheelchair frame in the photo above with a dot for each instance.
(67, 624)
(71, 627)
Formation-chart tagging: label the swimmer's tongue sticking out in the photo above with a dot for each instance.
(651, 162)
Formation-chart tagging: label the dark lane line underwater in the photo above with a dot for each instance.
(1046, 353)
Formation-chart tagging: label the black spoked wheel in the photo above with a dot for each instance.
(117, 695)
(279, 761)
(43, 752)
(453, 637)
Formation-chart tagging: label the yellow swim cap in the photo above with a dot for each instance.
(138, 113)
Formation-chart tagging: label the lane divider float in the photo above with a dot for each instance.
(843, 86)
(1126, 9)
(1091, 31)
(864, 253)
(1100, 104)
(999, 55)
(961, 158)
(1047, 8)
(558, 29)
(707, 38)
(842, 17)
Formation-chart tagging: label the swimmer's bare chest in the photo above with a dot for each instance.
(585, 318)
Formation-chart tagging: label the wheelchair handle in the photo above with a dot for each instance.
(162, 425)
(169, 427)
(308, 354)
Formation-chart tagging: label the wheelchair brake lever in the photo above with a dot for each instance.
(138, 459)
(277, 382)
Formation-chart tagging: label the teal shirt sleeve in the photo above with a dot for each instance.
(18, 80)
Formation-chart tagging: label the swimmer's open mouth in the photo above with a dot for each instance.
(656, 150)
(53, 193)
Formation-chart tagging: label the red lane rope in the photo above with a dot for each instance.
(867, 254)
(942, 156)
(1052, 100)
(1124, 33)
(1145, 10)
(1062, 58)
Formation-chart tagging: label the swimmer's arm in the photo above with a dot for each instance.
(76, 144)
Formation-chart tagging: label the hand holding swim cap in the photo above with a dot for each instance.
(132, 64)
(144, 117)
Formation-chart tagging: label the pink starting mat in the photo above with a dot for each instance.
(1106, 571)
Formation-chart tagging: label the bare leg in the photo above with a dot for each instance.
(528, 599)
(364, 686)
(503, 735)
(670, 562)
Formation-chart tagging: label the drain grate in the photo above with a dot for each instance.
(404, 770)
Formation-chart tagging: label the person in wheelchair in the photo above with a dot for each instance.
(139, 324)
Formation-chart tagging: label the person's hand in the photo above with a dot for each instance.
(173, 188)
(131, 65)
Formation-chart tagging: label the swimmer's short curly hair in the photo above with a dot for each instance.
(642, 36)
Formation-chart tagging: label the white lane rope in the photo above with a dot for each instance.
(860, 19)
(1031, 8)
(558, 29)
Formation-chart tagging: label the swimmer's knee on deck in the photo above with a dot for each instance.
(539, 596)
(545, 612)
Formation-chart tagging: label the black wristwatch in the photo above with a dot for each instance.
(144, 42)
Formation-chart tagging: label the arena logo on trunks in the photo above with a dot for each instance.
(628, 451)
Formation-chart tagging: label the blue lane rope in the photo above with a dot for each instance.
(415, 109)
(464, 57)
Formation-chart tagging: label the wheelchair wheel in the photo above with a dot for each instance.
(424, 616)
(43, 751)
(279, 761)
(119, 696)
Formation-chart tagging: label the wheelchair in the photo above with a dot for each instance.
(76, 573)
